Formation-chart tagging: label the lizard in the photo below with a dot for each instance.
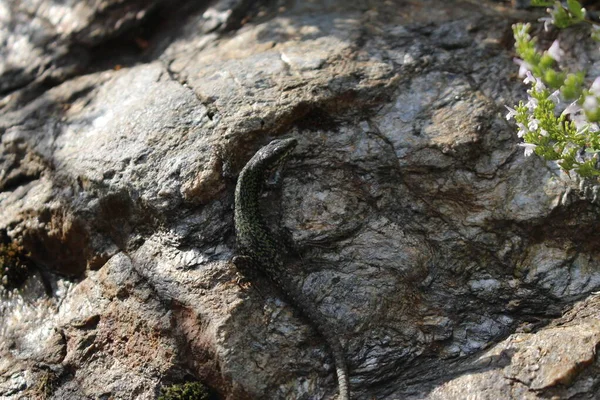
(261, 250)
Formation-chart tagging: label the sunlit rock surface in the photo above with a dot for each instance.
(450, 265)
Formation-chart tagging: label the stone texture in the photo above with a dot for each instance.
(557, 361)
(450, 264)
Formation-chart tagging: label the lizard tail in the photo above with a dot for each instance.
(340, 368)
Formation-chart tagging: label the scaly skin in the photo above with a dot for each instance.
(269, 255)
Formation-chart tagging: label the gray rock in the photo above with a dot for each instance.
(450, 265)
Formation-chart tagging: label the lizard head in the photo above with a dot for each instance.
(274, 153)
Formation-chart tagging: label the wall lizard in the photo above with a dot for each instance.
(260, 249)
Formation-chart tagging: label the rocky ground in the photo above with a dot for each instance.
(451, 266)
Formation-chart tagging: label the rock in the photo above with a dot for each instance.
(557, 362)
(450, 265)
(50, 41)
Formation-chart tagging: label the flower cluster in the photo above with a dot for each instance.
(559, 121)
(561, 15)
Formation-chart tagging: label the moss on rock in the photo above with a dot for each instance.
(185, 391)
(14, 265)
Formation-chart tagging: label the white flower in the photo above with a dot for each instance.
(511, 113)
(523, 67)
(533, 124)
(555, 51)
(581, 123)
(529, 147)
(572, 109)
(582, 129)
(529, 78)
(538, 84)
(595, 88)
(555, 97)
(543, 132)
(522, 130)
(532, 104)
(590, 103)
(547, 22)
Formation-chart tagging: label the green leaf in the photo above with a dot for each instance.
(561, 17)
(588, 169)
(573, 86)
(576, 10)
(554, 79)
(546, 61)
(541, 3)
